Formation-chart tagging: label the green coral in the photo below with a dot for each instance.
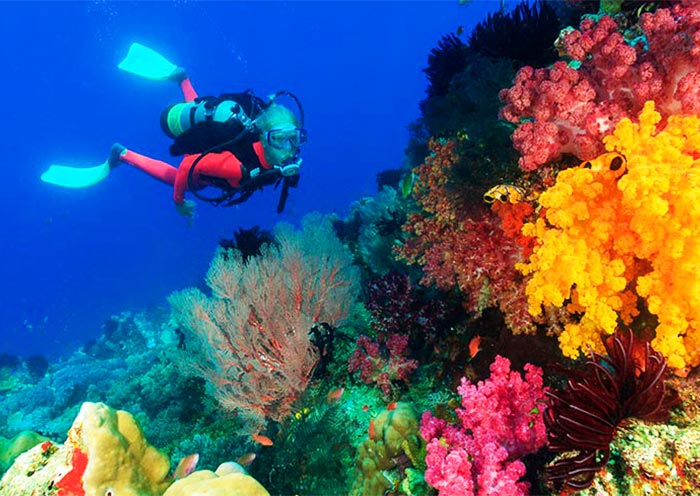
(393, 434)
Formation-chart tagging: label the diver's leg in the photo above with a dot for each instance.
(187, 90)
(180, 77)
(160, 170)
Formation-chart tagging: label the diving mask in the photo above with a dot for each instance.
(286, 138)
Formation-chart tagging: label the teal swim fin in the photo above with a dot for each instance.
(75, 177)
(148, 63)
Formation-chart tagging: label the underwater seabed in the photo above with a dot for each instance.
(347, 438)
(514, 312)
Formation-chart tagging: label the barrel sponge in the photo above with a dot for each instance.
(220, 483)
(119, 459)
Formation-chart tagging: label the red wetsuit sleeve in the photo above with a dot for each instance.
(222, 165)
(188, 90)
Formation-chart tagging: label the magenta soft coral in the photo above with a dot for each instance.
(500, 422)
(561, 109)
(383, 362)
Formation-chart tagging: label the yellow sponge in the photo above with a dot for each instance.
(223, 482)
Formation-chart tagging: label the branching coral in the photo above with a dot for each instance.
(535, 26)
(250, 339)
(626, 226)
(629, 382)
(444, 62)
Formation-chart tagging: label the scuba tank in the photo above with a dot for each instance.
(210, 121)
(181, 117)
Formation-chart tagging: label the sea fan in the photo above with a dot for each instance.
(628, 383)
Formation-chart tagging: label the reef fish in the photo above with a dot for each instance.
(506, 193)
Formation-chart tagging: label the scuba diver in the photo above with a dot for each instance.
(235, 142)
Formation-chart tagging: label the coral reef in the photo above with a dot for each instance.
(250, 338)
(463, 247)
(628, 383)
(12, 448)
(312, 351)
(393, 442)
(534, 26)
(107, 454)
(372, 229)
(383, 362)
(221, 482)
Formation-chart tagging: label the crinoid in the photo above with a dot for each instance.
(248, 241)
(628, 383)
(533, 26)
(445, 61)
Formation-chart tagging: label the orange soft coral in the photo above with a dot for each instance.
(621, 227)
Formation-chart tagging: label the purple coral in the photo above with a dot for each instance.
(383, 362)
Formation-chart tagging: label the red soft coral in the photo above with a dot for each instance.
(562, 109)
(462, 247)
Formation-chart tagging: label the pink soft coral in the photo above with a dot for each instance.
(500, 422)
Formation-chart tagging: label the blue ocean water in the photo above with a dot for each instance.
(71, 258)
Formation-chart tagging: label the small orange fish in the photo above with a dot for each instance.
(261, 439)
(474, 346)
(186, 466)
(371, 428)
(334, 395)
(365, 408)
(245, 460)
(391, 406)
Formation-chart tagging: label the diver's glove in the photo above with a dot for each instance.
(291, 169)
(186, 208)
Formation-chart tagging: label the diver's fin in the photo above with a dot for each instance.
(75, 177)
(148, 63)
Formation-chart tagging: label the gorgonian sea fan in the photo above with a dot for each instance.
(628, 383)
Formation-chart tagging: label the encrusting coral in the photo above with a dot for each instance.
(393, 441)
(622, 231)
